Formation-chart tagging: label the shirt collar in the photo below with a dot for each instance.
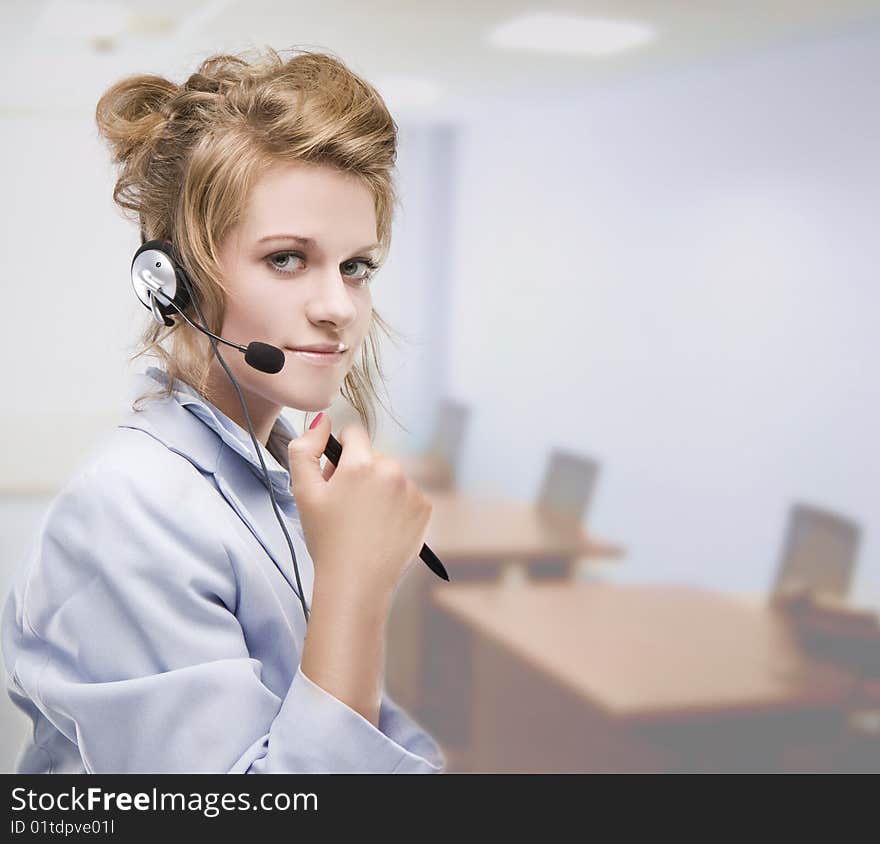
(236, 437)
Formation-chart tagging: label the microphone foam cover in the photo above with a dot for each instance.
(264, 357)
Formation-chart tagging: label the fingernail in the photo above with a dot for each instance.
(316, 420)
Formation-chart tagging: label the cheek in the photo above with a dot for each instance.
(252, 309)
(237, 317)
(365, 314)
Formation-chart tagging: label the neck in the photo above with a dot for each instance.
(224, 397)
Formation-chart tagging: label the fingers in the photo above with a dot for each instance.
(357, 450)
(304, 453)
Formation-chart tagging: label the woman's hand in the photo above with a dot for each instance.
(364, 521)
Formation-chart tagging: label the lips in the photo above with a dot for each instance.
(321, 348)
(319, 358)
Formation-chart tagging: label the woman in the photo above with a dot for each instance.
(160, 625)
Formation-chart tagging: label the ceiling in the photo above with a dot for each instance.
(61, 55)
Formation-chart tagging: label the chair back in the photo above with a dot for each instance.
(819, 551)
(568, 483)
(450, 426)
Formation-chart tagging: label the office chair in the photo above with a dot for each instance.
(567, 489)
(819, 556)
(450, 425)
(819, 552)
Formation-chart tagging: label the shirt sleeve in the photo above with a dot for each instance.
(130, 645)
(340, 738)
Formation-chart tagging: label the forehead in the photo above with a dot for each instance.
(313, 201)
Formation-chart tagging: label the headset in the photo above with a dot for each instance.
(162, 286)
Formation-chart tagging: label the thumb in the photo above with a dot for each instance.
(304, 454)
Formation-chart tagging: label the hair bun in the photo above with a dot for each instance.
(218, 74)
(133, 112)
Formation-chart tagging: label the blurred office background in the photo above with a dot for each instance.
(638, 238)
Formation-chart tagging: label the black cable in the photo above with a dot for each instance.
(202, 328)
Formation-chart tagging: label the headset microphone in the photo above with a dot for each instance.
(264, 357)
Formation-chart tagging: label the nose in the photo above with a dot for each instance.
(330, 300)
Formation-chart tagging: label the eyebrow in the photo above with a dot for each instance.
(309, 241)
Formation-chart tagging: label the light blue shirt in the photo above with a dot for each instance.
(155, 625)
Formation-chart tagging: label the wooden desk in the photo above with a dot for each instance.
(596, 676)
(467, 532)
(477, 539)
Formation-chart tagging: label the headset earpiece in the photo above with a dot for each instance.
(153, 269)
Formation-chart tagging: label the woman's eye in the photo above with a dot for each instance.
(282, 267)
(369, 268)
(279, 262)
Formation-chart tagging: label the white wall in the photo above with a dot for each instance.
(412, 290)
(68, 300)
(678, 275)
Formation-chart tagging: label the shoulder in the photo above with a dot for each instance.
(130, 467)
(136, 524)
(133, 496)
(135, 517)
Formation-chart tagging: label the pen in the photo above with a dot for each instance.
(333, 452)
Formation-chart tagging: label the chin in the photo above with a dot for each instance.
(308, 400)
(308, 407)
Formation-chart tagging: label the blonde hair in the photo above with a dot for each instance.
(190, 154)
